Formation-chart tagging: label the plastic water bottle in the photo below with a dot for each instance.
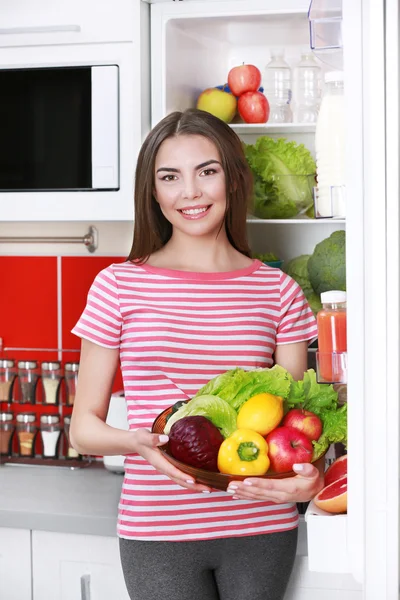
(277, 83)
(329, 148)
(307, 89)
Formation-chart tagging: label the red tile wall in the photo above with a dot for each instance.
(29, 314)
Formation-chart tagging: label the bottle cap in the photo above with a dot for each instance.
(7, 363)
(334, 76)
(51, 366)
(27, 364)
(333, 297)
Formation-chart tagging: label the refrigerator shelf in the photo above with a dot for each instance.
(299, 221)
(267, 128)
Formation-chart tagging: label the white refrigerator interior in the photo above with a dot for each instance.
(193, 46)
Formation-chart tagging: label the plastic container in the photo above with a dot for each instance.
(277, 83)
(330, 149)
(8, 373)
(306, 89)
(70, 452)
(332, 338)
(51, 379)
(7, 428)
(71, 379)
(50, 431)
(26, 434)
(325, 17)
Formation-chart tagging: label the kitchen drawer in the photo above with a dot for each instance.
(69, 566)
(27, 23)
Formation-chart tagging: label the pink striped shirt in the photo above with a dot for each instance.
(175, 331)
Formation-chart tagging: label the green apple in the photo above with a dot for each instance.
(219, 103)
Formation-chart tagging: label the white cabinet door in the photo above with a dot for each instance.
(15, 564)
(57, 22)
(76, 567)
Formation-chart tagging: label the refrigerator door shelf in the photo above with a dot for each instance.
(327, 541)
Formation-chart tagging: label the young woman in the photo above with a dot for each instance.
(188, 304)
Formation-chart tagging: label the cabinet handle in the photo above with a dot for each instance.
(85, 587)
(40, 29)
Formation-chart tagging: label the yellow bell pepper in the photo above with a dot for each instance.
(245, 452)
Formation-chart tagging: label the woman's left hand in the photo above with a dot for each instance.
(302, 488)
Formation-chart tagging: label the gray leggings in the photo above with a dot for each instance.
(243, 568)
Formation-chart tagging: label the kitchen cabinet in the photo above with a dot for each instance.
(15, 564)
(34, 35)
(69, 566)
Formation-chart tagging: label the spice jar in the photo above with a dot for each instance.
(7, 428)
(70, 452)
(8, 373)
(26, 433)
(51, 379)
(28, 377)
(71, 380)
(50, 430)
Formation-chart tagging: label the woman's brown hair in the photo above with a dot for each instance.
(151, 229)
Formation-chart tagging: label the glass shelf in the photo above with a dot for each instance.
(304, 221)
(265, 128)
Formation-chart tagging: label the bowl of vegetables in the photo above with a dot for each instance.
(249, 424)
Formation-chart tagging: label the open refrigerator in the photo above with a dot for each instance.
(193, 46)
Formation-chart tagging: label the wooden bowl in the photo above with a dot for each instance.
(213, 479)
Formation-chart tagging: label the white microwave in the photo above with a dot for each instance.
(59, 129)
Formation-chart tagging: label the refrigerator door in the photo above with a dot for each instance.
(371, 60)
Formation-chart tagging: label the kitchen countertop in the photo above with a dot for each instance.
(60, 499)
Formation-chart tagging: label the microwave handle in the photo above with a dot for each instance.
(40, 29)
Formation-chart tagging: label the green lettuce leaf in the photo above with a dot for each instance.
(213, 408)
(225, 385)
(283, 177)
(334, 430)
(318, 396)
(275, 380)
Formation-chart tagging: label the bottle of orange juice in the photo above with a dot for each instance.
(332, 338)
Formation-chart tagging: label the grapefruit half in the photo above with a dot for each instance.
(333, 497)
(336, 470)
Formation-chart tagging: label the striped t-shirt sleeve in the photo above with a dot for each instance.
(297, 321)
(101, 319)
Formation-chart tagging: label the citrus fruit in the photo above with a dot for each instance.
(333, 497)
(261, 413)
(336, 470)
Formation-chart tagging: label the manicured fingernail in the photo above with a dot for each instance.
(247, 483)
(230, 491)
(298, 467)
(232, 487)
(235, 498)
(163, 439)
(189, 481)
(206, 491)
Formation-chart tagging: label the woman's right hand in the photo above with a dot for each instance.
(146, 444)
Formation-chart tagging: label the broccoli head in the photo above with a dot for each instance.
(327, 264)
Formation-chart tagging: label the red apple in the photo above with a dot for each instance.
(305, 421)
(253, 107)
(287, 446)
(244, 78)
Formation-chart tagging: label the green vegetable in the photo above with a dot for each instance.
(327, 264)
(320, 399)
(283, 177)
(314, 301)
(267, 257)
(297, 269)
(219, 412)
(175, 407)
(237, 386)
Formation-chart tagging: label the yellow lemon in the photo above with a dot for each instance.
(261, 413)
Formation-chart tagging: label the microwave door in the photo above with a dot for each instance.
(105, 127)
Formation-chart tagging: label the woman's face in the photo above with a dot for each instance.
(190, 184)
